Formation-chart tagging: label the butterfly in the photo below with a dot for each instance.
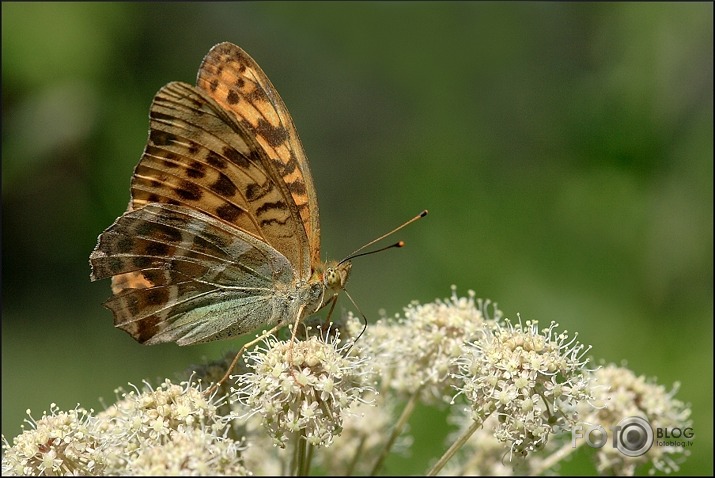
(222, 232)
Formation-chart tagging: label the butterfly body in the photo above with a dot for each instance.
(221, 236)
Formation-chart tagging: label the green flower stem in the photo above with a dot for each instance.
(556, 457)
(453, 449)
(356, 458)
(406, 413)
(308, 460)
(299, 455)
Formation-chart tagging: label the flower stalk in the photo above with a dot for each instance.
(396, 431)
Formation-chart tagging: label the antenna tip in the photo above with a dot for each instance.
(423, 213)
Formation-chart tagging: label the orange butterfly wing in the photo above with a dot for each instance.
(198, 156)
(222, 231)
(240, 86)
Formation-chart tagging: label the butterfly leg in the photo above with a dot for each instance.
(334, 301)
(215, 386)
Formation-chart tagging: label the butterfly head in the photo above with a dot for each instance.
(335, 275)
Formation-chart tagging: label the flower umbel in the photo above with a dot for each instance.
(172, 429)
(303, 388)
(418, 353)
(532, 379)
(59, 443)
(625, 394)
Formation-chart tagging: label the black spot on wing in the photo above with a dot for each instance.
(161, 138)
(223, 186)
(196, 170)
(228, 212)
(189, 191)
(159, 232)
(157, 296)
(215, 160)
(193, 148)
(297, 187)
(269, 206)
(256, 191)
(274, 135)
(157, 249)
(235, 157)
(125, 244)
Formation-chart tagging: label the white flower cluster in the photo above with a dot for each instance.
(531, 379)
(303, 388)
(624, 394)
(172, 430)
(513, 390)
(59, 443)
(418, 351)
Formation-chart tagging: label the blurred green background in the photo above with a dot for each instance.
(565, 152)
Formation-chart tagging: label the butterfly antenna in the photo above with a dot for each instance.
(355, 254)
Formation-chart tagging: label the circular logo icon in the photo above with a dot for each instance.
(634, 436)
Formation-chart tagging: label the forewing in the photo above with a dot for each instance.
(199, 156)
(192, 277)
(232, 78)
